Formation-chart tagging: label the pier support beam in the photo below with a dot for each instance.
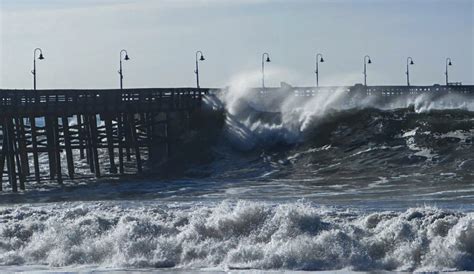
(49, 131)
(88, 143)
(94, 139)
(67, 147)
(3, 156)
(80, 135)
(134, 139)
(57, 150)
(21, 136)
(120, 134)
(18, 154)
(110, 143)
(127, 135)
(34, 145)
(8, 125)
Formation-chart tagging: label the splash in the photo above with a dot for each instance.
(283, 116)
(287, 116)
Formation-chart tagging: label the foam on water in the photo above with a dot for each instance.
(230, 235)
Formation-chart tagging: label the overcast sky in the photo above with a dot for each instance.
(81, 41)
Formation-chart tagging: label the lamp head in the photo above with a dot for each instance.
(322, 60)
(450, 64)
(202, 58)
(41, 57)
(412, 63)
(268, 59)
(369, 62)
(126, 57)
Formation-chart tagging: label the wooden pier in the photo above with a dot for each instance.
(123, 126)
(80, 124)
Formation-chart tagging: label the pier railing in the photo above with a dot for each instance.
(379, 91)
(68, 102)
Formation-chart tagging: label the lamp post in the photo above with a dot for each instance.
(197, 66)
(263, 67)
(126, 58)
(448, 63)
(366, 61)
(40, 57)
(319, 58)
(409, 62)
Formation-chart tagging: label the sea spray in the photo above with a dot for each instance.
(244, 107)
(288, 115)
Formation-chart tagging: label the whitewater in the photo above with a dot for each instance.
(294, 183)
(235, 235)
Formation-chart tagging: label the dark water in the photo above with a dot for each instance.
(315, 187)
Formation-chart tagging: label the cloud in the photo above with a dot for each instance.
(22, 5)
(52, 5)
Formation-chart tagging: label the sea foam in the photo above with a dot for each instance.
(235, 235)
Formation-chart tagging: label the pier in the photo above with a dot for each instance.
(362, 90)
(124, 125)
(78, 123)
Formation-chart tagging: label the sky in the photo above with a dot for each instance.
(81, 41)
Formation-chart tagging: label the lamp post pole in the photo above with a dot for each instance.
(263, 67)
(40, 57)
(448, 63)
(318, 56)
(409, 62)
(126, 58)
(366, 61)
(197, 66)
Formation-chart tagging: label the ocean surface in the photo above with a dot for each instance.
(303, 184)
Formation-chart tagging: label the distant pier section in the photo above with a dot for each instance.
(359, 89)
(64, 125)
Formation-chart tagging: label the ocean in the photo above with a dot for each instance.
(312, 184)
